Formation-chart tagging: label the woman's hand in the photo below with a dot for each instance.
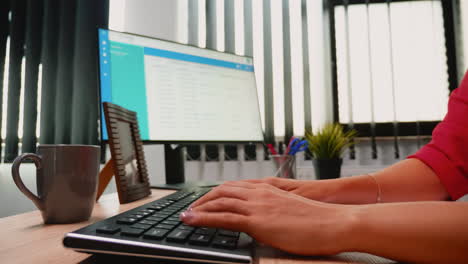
(348, 190)
(274, 217)
(322, 190)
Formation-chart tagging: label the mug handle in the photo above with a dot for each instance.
(17, 179)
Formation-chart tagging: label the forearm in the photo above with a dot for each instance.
(349, 190)
(410, 180)
(419, 232)
(407, 180)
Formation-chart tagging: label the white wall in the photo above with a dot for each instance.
(155, 18)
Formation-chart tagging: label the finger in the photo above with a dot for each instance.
(229, 221)
(241, 184)
(251, 185)
(260, 181)
(275, 181)
(254, 180)
(222, 191)
(225, 205)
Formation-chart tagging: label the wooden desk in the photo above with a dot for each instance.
(25, 239)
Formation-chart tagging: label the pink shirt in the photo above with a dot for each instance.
(447, 153)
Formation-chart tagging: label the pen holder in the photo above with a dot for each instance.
(285, 166)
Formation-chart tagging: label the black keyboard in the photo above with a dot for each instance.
(154, 230)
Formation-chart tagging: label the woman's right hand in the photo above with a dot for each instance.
(276, 218)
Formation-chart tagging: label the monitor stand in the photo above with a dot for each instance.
(175, 171)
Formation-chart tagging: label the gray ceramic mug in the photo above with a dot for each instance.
(67, 180)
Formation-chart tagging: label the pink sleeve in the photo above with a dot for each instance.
(447, 153)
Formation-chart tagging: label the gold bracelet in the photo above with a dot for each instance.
(379, 191)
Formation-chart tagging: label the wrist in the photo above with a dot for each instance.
(319, 190)
(331, 190)
(344, 229)
(349, 190)
(351, 232)
(360, 189)
(328, 191)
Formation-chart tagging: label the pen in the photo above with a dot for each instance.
(272, 149)
(289, 145)
(298, 146)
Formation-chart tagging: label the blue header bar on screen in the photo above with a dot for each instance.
(197, 59)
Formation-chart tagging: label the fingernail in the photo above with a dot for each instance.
(187, 216)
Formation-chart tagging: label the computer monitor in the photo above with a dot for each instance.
(181, 93)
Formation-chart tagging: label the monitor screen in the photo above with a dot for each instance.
(181, 93)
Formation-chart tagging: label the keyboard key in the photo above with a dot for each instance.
(156, 207)
(156, 233)
(205, 231)
(145, 213)
(108, 229)
(169, 227)
(202, 240)
(148, 222)
(129, 231)
(155, 218)
(224, 232)
(186, 227)
(178, 235)
(126, 220)
(169, 212)
(137, 216)
(162, 214)
(168, 222)
(225, 242)
(141, 226)
(174, 218)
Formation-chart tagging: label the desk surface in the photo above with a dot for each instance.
(25, 239)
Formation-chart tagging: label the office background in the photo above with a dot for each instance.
(383, 67)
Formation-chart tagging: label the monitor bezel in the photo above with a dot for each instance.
(177, 142)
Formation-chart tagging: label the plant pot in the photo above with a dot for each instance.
(327, 168)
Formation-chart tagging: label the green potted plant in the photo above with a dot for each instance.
(327, 146)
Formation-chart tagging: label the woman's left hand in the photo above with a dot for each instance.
(274, 217)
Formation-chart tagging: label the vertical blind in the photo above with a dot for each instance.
(388, 53)
(277, 35)
(387, 56)
(48, 72)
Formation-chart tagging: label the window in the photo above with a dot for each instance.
(387, 55)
